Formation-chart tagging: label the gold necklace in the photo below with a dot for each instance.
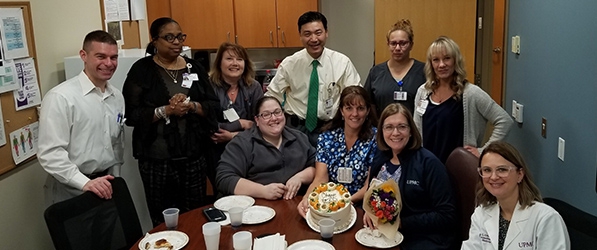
(171, 73)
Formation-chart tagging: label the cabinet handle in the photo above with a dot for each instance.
(228, 36)
(236, 39)
(283, 37)
(271, 37)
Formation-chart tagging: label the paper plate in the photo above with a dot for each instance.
(176, 238)
(231, 201)
(311, 245)
(366, 238)
(258, 214)
(313, 224)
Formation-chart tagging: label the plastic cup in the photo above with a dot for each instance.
(236, 216)
(171, 218)
(242, 240)
(326, 228)
(211, 234)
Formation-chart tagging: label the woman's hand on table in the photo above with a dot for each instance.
(292, 187)
(302, 207)
(273, 191)
(367, 222)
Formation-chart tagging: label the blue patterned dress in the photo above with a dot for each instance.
(332, 151)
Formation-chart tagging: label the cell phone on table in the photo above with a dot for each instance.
(214, 214)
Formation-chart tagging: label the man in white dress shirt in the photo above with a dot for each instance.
(291, 83)
(81, 141)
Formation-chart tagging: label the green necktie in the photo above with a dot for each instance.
(311, 119)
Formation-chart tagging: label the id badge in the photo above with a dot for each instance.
(193, 77)
(400, 95)
(187, 83)
(231, 115)
(422, 106)
(345, 175)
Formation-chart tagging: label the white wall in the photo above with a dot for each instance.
(59, 29)
(351, 31)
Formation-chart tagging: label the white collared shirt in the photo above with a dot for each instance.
(80, 131)
(335, 72)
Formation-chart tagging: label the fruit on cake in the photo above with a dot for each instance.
(330, 200)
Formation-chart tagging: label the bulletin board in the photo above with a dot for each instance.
(13, 119)
(130, 31)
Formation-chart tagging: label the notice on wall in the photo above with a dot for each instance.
(2, 134)
(23, 142)
(116, 10)
(8, 76)
(28, 94)
(12, 29)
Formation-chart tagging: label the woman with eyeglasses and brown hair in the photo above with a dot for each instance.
(428, 215)
(397, 79)
(269, 160)
(172, 107)
(511, 213)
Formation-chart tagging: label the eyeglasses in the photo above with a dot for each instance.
(268, 115)
(401, 43)
(402, 128)
(500, 171)
(170, 37)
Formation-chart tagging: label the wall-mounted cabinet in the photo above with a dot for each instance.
(251, 23)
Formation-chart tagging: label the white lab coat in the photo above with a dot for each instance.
(536, 227)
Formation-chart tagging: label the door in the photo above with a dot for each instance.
(207, 23)
(499, 51)
(288, 12)
(256, 23)
(430, 19)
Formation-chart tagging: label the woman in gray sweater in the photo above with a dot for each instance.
(269, 160)
(451, 112)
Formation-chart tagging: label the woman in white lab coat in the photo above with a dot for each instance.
(511, 214)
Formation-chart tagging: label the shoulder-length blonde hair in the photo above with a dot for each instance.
(528, 192)
(215, 74)
(414, 142)
(444, 44)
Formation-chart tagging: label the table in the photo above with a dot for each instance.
(287, 222)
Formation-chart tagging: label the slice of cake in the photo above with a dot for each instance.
(330, 200)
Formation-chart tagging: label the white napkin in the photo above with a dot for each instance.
(272, 242)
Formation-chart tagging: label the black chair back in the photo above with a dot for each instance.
(582, 226)
(89, 222)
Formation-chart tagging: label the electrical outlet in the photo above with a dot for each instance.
(561, 148)
(543, 127)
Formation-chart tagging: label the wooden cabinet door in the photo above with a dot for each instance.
(256, 23)
(207, 23)
(157, 9)
(288, 13)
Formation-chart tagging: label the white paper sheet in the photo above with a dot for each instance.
(12, 29)
(138, 10)
(8, 76)
(28, 94)
(2, 134)
(23, 142)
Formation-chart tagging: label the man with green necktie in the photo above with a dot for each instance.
(309, 82)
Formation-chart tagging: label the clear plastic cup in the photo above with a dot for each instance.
(211, 234)
(242, 240)
(171, 218)
(236, 216)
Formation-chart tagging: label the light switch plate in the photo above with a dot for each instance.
(561, 148)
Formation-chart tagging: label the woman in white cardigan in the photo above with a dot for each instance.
(451, 112)
(511, 214)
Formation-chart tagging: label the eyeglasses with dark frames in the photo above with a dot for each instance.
(170, 37)
(268, 115)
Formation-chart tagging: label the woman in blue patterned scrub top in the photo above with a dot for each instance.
(346, 148)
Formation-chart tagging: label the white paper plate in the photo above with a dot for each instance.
(176, 238)
(231, 201)
(365, 237)
(313, 224)
(258, 214)
(311, 245)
